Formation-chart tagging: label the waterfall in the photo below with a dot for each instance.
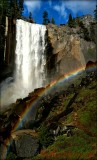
(29, 62)
(30, 58)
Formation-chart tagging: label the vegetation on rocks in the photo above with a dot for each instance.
(81, 143)
(11, 156)
(46, 138)
(71, 21)
(65, 121)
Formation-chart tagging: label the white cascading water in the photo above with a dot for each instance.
(29, 62)
(30, 58)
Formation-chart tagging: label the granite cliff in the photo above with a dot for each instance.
(71, 47)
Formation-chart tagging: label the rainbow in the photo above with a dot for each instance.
(41, 93)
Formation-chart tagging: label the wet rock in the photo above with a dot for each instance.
(91, 64)
(26, 143)
(67, 129)
(19, 100)
(56, 131)
(26, 146)
(3, 151)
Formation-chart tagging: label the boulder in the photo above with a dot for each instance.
(26, 143)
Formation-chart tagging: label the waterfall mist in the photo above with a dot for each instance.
(30, 62)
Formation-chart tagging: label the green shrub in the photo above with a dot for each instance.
(45, 137)
(11, 156)
(91, 52)
(84, 31)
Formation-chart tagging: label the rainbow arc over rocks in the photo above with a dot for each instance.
(43, 91)
(40, 93)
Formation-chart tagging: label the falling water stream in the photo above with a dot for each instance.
(29, 62)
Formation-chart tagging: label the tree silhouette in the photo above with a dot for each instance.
(45, 18)
(95, 13)
(71, 21)
(30, 15)
(52, 21)
(11, 8)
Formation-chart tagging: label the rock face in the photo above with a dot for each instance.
(87, 20)
(26, 143)
(3, 151)
(26, 146)
(72, 48)
(7, 57)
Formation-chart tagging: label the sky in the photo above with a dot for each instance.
(58, 9)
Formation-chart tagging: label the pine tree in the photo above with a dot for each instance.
(52, 21)
(15, 8)
(21, 2)
(45, 18)
(30, 15)
(4, 7)
(70, 20)
(95, 13)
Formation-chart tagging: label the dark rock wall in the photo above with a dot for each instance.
(2, 40)
(10, 42)
(8, 51)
